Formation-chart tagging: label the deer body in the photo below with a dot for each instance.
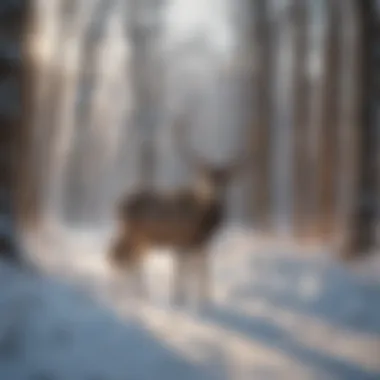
(185, 220)
(181, 219)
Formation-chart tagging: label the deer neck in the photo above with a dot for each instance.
(207, 192)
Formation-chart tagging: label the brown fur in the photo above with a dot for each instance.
(184, 219)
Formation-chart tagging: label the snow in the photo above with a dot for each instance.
(277, 313)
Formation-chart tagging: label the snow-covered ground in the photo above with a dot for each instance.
(277, 314)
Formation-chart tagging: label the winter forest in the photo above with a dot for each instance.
(92, 93)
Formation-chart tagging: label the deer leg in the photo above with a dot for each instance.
(141, 291)
(180, 277)
(136, 272)
(126, 257)
(202, 271)
(117, 260)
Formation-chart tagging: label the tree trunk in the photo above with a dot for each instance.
(301, 112)
(327, 168)
(12, 18)
(143, 36)
(27, 186)
(359, 221)
(81, 168)
(376, 121)
(261, 124)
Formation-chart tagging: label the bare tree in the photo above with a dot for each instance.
(260, 130)
(326, 171)
(301, 112)
(25, 183)
(376, 105)
(144, 27)
(81, 168)
(359, 216)
(12, 18)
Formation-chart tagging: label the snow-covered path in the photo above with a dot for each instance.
(276, 315)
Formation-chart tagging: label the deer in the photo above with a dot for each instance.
(185, 219)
